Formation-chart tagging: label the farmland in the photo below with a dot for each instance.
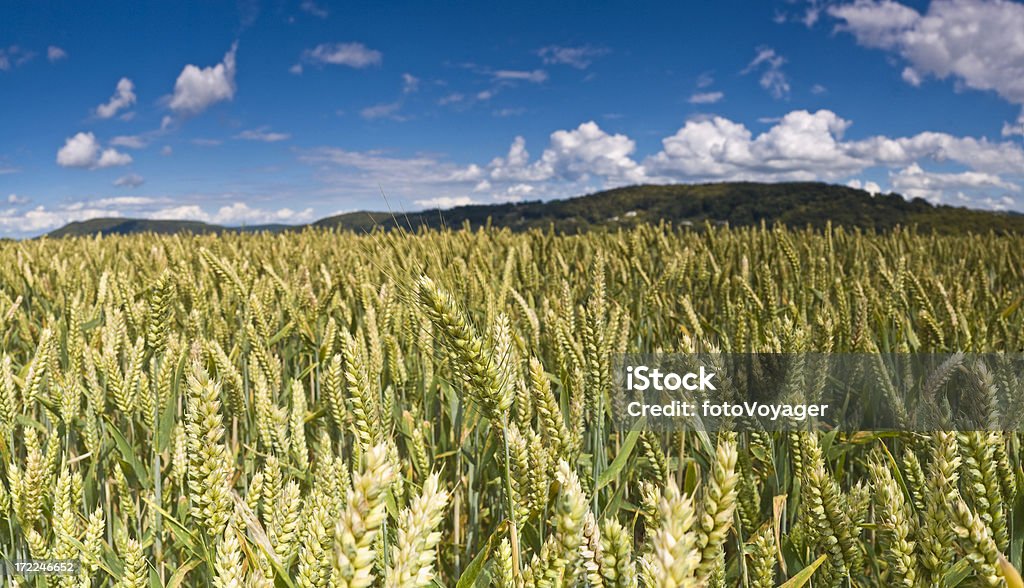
(322, 408)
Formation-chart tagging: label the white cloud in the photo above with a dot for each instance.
(119, 202)
(453, 98)
(1017, 128)
(42, 218)
(166, 150)
(516, 165)
(706, 97)
(507, 112)
(378, 111)
(535, 76)
(977, 154)
(84, 151)
(869, 187)
(196, 89)
(124, 97)
(914, 182)
(410, 83)
(805, 146)
(446, 202)
(182, 212)
(129, 141)
(263, 134)
(413, 170)
(112, 158)
(977, 43)
(14, 56)
(45, 218)
(589, 150)
(818, 89)
(15, 199)
(579, 154)
(514, 193)
(876, 24)
(241, 213)
(578, 57)
(129, 181)
(311, 7)
(354, 55)
(773, 78)
(799, 146)
(295, 69)
(55, 54)
(485, 95)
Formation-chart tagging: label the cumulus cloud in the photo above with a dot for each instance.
(870, 187)
(124, 97)
(802, 145)
(799, 146)
(706, 97)
(41, 218)
(84, 151)
(579, 57)
(1017, 128)
(196, 89)
(914, 182)
(16, 199)
(239, 213)
(977, 43)
(354, 55)
(516, 166)
(129, 181)
(112, 158)
(588, 150)
(232, 213)
(978, 154)
(263, 134)
(773, 79)
(55, 54)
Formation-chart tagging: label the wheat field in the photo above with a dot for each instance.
(432, 409)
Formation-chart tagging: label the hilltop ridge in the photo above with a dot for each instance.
(795, 204)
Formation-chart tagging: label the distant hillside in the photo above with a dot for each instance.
(125, 226)
(737, 203)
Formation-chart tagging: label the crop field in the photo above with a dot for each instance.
(434, 409)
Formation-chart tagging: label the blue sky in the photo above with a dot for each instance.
(289, 110)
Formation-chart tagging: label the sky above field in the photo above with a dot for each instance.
(286, 111)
